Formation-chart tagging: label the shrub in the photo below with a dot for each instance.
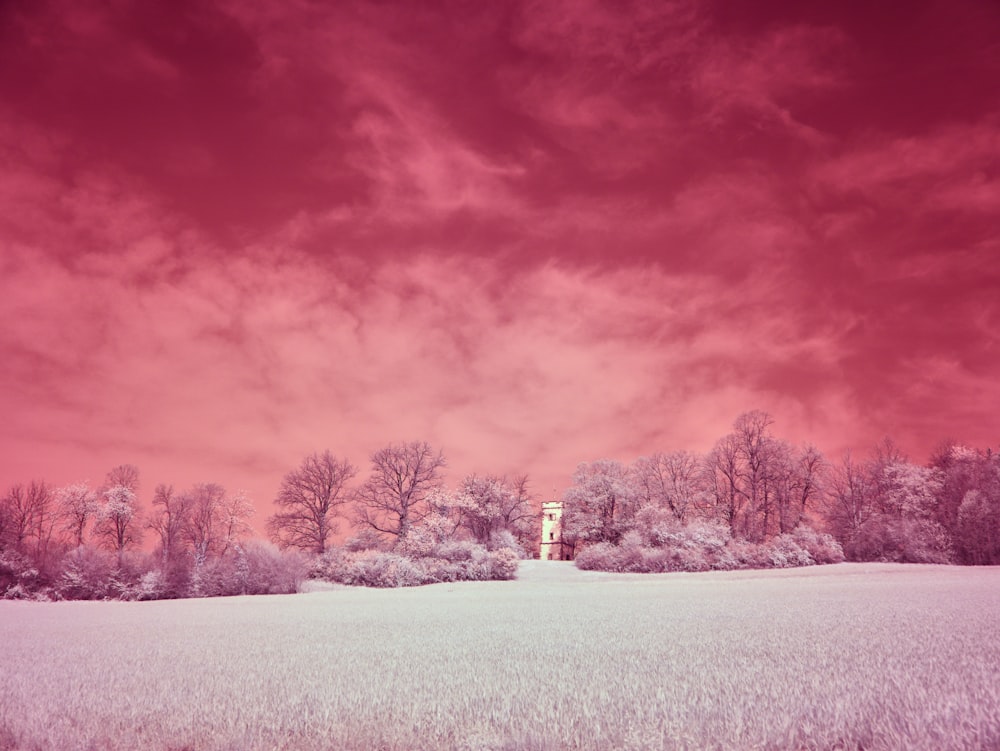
(364, 539)
(377, 569)
(823, 548)
(17, 575)
(601, 556)
(883, 538)
(504, 540)
(86, 574)
(785, 552)
(504, 563)
(269, 571)
(448, 562)
(152, 585)
(456, 550)
(746, 554)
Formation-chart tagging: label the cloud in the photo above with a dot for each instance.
(528, 235)
(753, 81)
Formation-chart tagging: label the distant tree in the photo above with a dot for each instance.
(28, 519)
(237, 510)
(722, 477)
(977, 529)
(311, 498)
(850, 498)
(669, 481)
(886, 509)
(758, 484)
(805, 489)
(168, 520)
(969, 502)
(214, 520)
(600, 504)
(76, 505)
(122, 476)
(118, 525)
(488, 505)
(393, 497)
(203, 528)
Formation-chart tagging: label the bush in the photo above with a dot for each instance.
(18, 577)
(455, 551)
(267, 570)
(504, 563)
(447, 562)
(785, 552)
(377, 569)
(883, 538)
(505, 540)
(823, 548)
(364, 539)
(152, 585)
(704, 546)
(86, 574)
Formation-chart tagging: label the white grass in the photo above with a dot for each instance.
(846, 656)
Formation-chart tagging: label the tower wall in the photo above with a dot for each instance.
(551, 545)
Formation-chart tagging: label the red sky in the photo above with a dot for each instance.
(530, 233)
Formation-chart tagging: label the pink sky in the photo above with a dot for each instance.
(530, 233)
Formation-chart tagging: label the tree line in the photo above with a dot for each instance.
(773, 503)
(752, 500)
(83, 542)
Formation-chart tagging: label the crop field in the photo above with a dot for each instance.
(852, 656)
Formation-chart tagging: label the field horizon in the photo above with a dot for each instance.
(845, 656)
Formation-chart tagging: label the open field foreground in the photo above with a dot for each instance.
(872, 656)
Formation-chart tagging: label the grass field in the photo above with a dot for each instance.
(872, 656)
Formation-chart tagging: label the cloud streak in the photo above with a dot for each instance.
(243, 232)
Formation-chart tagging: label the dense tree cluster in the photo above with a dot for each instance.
(409, 528)
(753, 500)
(78, 542)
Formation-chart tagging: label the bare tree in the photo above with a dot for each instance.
(393, 497)
(202, 528)
(122, 476)
(237, 508)
(168, 520)
(311, 498)
(76, 505)
(28, 519)
(722, 477)
(669, 481)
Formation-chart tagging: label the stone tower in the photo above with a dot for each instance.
(551, 548)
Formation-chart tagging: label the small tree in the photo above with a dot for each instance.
(311, 498)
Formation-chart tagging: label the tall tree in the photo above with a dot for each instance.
(599, 505)
(668, 481)
(393, 497)
(118, 525)
(122, 476)
(311, 498)
(28, 519)
(168, 520)
(490, 504)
